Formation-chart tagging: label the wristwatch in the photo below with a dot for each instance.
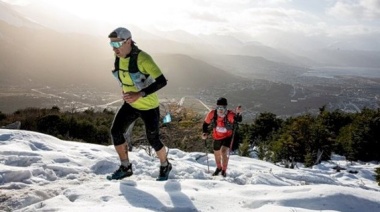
(143, 94)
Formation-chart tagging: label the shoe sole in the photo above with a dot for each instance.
(109, 177)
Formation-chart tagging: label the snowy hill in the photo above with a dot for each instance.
(39, 172)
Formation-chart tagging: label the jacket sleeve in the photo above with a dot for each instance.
(148, 66)
(238, 118)
(205, 128)
(234, 117)
(159, 83)
(207, 122)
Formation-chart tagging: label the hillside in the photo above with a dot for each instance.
(186, 73)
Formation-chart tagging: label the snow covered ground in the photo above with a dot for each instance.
(39, 172)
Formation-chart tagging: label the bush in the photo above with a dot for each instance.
(2, 116)
(49, 124)
(244, 147)
(377, 175)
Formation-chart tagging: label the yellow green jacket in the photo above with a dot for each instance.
(149, 71)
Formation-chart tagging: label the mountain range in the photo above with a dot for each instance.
(41, 48)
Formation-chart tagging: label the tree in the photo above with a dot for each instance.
(360, 139)
(265, 125)
(244, 147)
(49, 124)
(302, 138)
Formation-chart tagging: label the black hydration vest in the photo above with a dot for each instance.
(227, 124)
(132, 66)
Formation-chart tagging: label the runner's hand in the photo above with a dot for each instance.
(131, 96)
(238, 110)
(204, 136)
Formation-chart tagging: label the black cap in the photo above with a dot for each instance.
(221, 101)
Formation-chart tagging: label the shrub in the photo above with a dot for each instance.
(377, 175)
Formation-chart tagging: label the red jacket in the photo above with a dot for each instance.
(220, 131)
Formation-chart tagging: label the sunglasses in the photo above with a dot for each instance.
(117, 44)
(221, 108)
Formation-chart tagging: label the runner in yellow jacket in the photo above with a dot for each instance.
(140, 78)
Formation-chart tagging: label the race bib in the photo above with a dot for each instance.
(221, 129)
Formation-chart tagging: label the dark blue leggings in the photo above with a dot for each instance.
(126, 115)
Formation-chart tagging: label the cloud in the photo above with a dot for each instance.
(16, 2)
(207, 16)
(264, 21)
(356, 10)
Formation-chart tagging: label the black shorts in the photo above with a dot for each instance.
(223, 142)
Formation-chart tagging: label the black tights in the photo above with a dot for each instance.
(126, 115)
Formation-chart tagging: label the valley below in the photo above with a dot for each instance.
(305, 93)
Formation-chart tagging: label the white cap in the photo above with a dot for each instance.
(120, 32)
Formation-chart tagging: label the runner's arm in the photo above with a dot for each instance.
(159, 83)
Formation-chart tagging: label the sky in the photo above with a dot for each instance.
(271, 22)
(39, 172)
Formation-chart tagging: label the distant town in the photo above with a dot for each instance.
(294, 96)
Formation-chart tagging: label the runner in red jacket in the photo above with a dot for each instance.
(222, 122)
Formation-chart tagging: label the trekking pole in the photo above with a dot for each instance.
(208, 166)
(233, 132)
(233, 137)
(232, 140)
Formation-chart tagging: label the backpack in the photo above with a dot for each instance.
(228, 125)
